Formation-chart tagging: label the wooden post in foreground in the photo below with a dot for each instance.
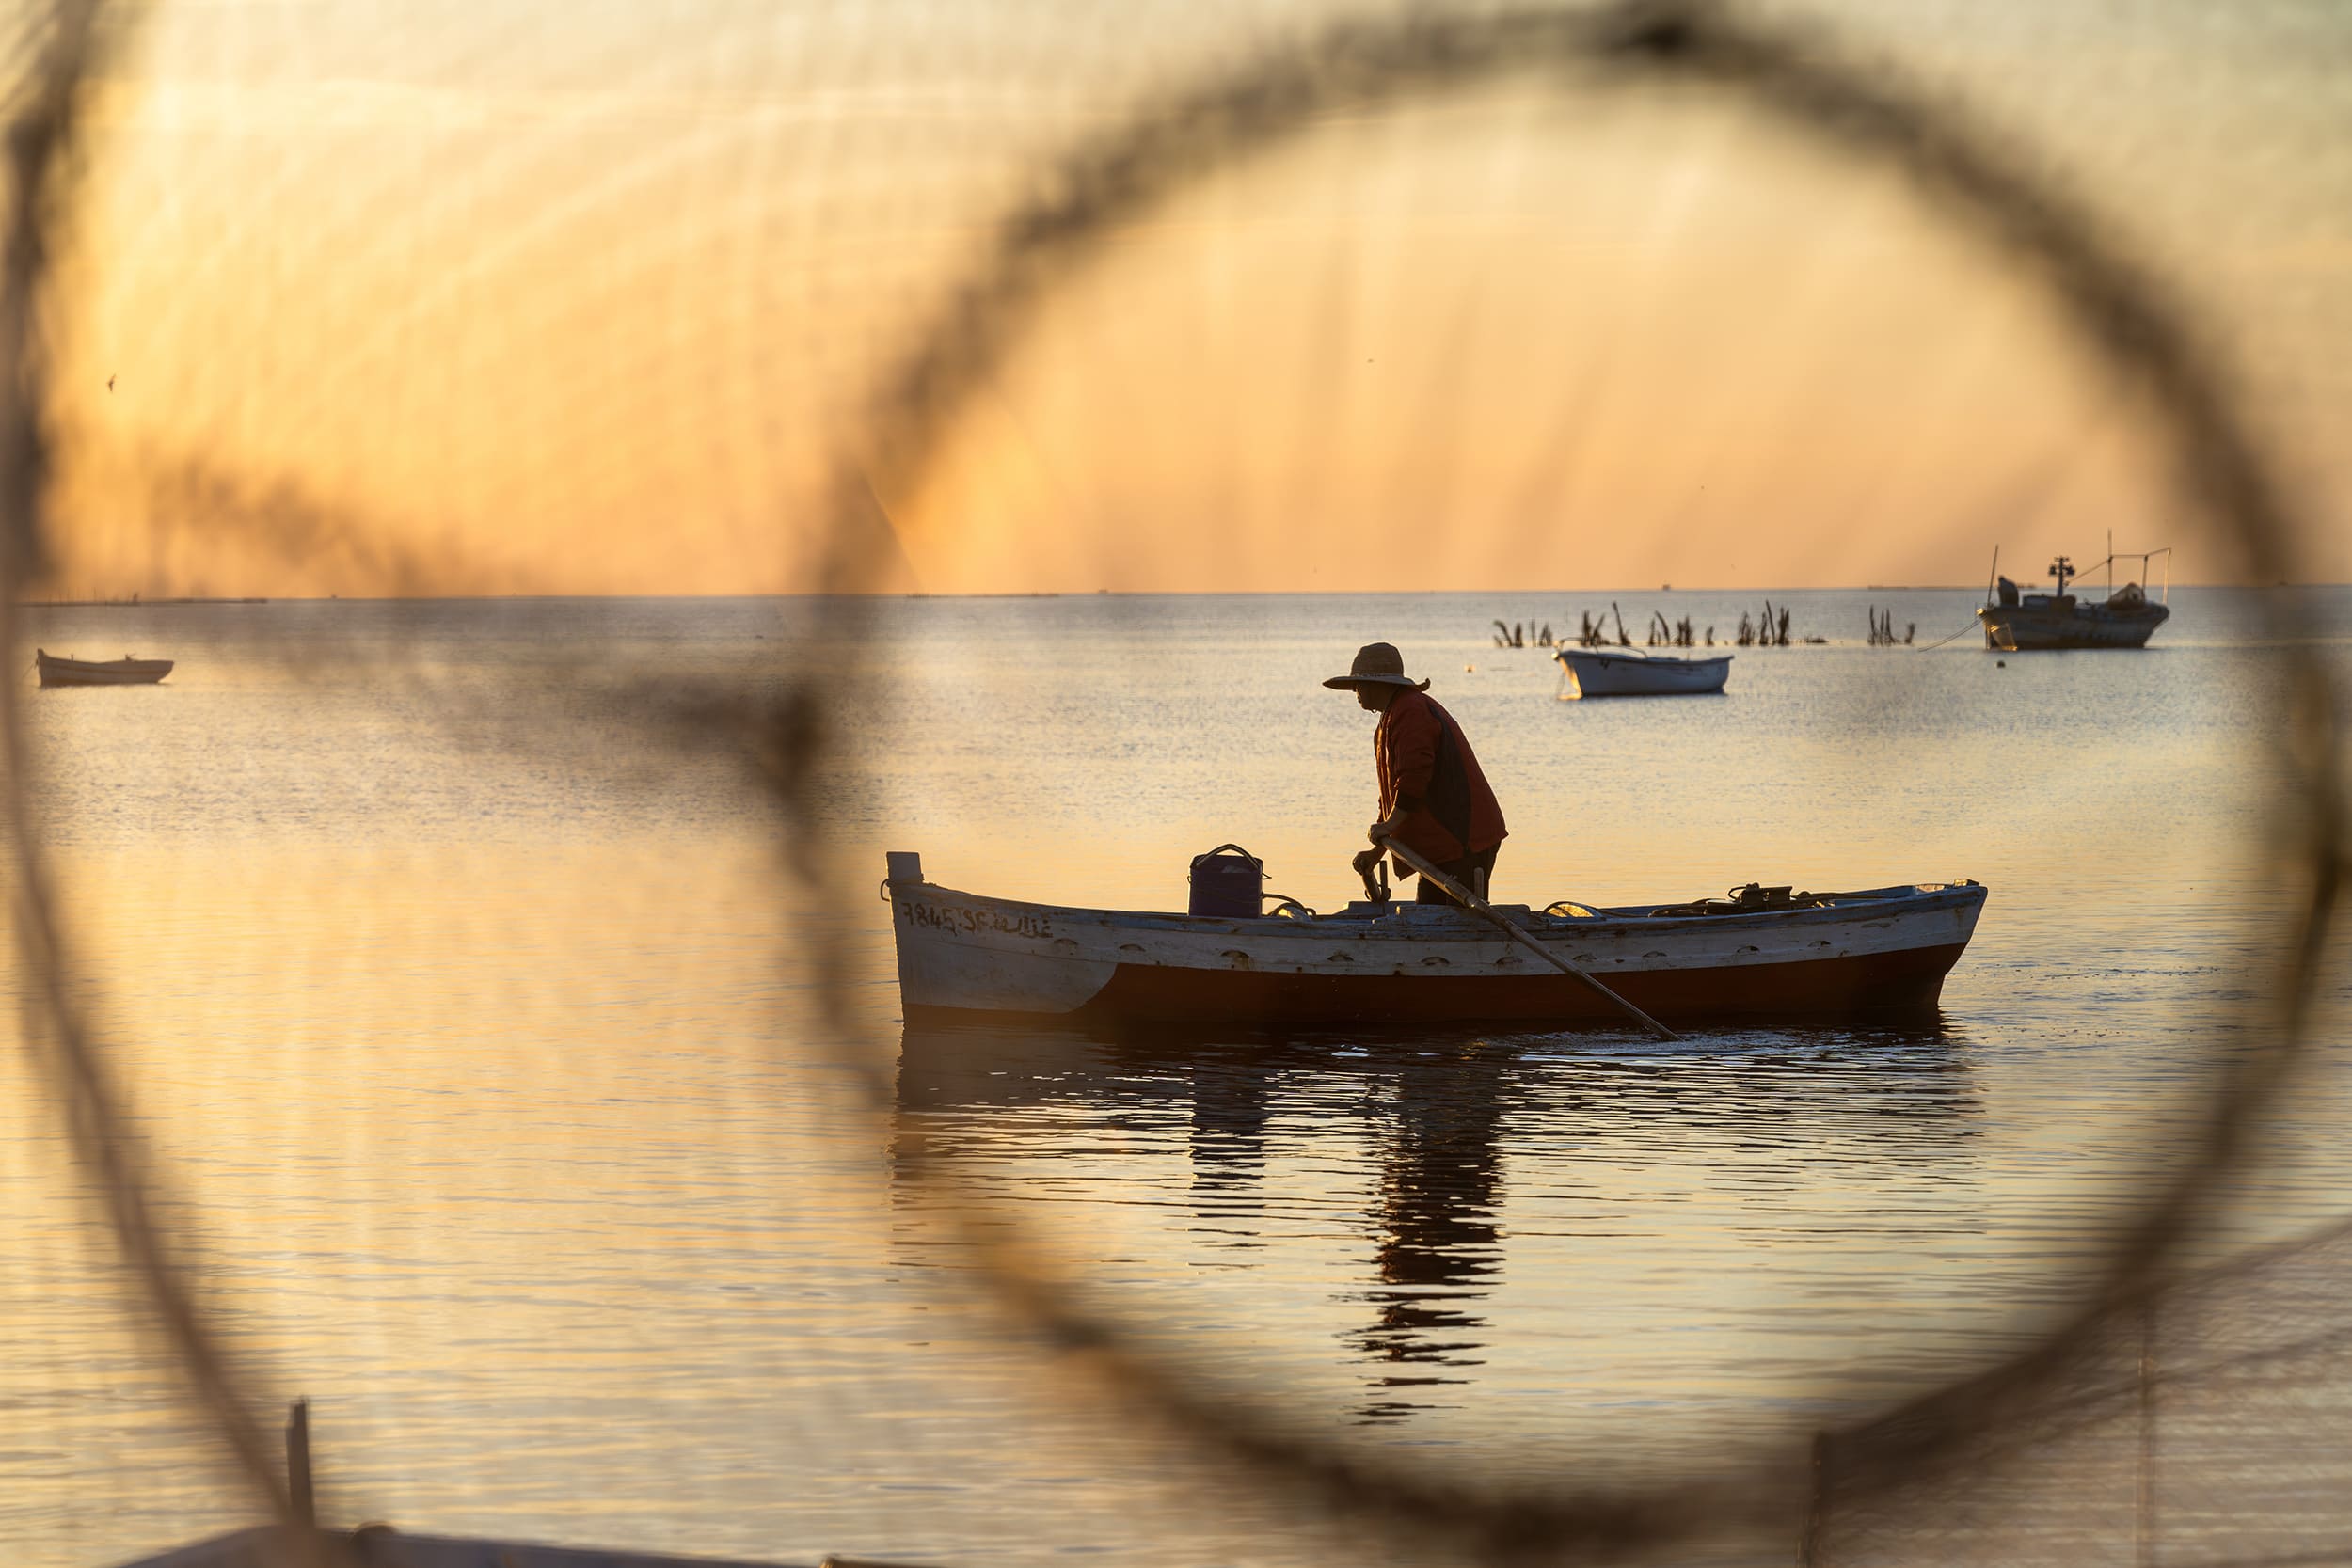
(298, 1490)
(1816, 1507)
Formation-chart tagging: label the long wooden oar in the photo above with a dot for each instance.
(1476, 905)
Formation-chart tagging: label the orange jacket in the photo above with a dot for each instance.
(1427, 765)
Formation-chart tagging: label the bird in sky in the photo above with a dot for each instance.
(110, 384)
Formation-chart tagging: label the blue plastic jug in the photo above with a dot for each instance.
(1228, 884)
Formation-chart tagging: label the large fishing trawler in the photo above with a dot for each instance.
(2016, 622)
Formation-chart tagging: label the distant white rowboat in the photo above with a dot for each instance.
(125, 671)
(1628, 672)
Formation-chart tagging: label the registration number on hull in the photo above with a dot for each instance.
(964, 920)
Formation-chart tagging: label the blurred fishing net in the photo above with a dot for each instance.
(380, 1033)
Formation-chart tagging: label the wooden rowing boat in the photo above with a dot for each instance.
(1628, 672)
(125, 671)
(1812, 957)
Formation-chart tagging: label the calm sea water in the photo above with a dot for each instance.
(457, 988)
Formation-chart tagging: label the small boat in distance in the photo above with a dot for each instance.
(1628, 673)
(125, 671)
(1761, 952)
(2126, 618)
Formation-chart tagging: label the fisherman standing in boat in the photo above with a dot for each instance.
(1434, 801)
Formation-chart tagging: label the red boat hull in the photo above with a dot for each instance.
(1882, 985)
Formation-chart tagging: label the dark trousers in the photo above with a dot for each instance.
(1472, 871)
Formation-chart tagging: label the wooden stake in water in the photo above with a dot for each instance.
(299, 1491)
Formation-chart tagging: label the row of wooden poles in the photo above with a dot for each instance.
(1770, 629)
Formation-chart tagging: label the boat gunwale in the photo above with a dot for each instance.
(1898, 898)
(2151, 612)
(42, 655)
(1638, 656)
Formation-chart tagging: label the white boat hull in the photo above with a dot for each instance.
(1593, 673)
(83, 671)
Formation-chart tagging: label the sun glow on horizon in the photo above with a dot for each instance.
(558, 329)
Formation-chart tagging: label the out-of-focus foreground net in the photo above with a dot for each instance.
(2205, 1418)
(520, 424)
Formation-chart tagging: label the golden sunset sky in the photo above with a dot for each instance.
(519, 297)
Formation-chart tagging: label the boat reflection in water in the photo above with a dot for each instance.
(1437, 1239)
(1277, 1150)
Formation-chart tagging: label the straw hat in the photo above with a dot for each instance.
(1377, 664)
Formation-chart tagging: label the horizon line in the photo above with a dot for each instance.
(190, 600)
